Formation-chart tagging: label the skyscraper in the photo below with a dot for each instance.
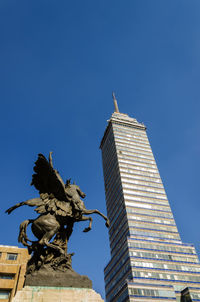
(149, 262)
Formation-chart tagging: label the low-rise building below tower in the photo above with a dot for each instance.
(13, 262)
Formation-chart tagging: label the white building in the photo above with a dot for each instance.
(148, 262)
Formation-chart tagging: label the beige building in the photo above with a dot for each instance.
(12, 270)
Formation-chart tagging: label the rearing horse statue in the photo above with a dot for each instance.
(59, 206)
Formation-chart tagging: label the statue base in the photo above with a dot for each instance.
(52, 294)
(69, 278)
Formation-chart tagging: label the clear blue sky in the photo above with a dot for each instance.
(59, 62)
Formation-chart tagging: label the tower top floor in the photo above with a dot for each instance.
(124, 120)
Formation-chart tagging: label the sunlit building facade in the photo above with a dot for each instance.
(13, 262)
(149, 262)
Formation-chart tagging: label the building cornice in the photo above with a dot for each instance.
(124, 120)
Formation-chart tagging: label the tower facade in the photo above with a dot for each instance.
(149, 262)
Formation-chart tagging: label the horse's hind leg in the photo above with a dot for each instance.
(44, 228)
(22, 233)
(47, 237)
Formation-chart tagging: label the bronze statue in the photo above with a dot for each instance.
(59, 207)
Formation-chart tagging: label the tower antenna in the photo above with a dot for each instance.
(115, 102)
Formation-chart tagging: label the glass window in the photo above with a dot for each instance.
(172, 277)
(4, 294)
(7, 276)
(162, 248)
(151, 293)
(11, 256)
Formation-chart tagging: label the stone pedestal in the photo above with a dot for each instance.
(56, 294)
(68, 278)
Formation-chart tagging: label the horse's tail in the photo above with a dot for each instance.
(22, 232)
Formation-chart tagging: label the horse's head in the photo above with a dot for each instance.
(77, 188)
(74, 188)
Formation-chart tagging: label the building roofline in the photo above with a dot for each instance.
(124, 122)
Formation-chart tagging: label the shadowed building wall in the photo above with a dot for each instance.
(12, 270)
(149, 262)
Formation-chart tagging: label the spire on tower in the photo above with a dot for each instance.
(115, 102)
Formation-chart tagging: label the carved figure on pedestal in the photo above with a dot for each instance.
(59, 206)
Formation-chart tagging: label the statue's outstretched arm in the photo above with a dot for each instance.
(50, 159)
(31, 202)
(55, 171)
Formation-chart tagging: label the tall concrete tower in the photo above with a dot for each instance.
(148, 262)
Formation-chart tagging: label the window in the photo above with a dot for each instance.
(11, 256)
(4, 294)
(151, 292)
(7, 276)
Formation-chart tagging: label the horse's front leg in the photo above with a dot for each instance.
(30, 202)
(83, 218)
(88, 212)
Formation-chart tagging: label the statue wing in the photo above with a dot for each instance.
(47, 180)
